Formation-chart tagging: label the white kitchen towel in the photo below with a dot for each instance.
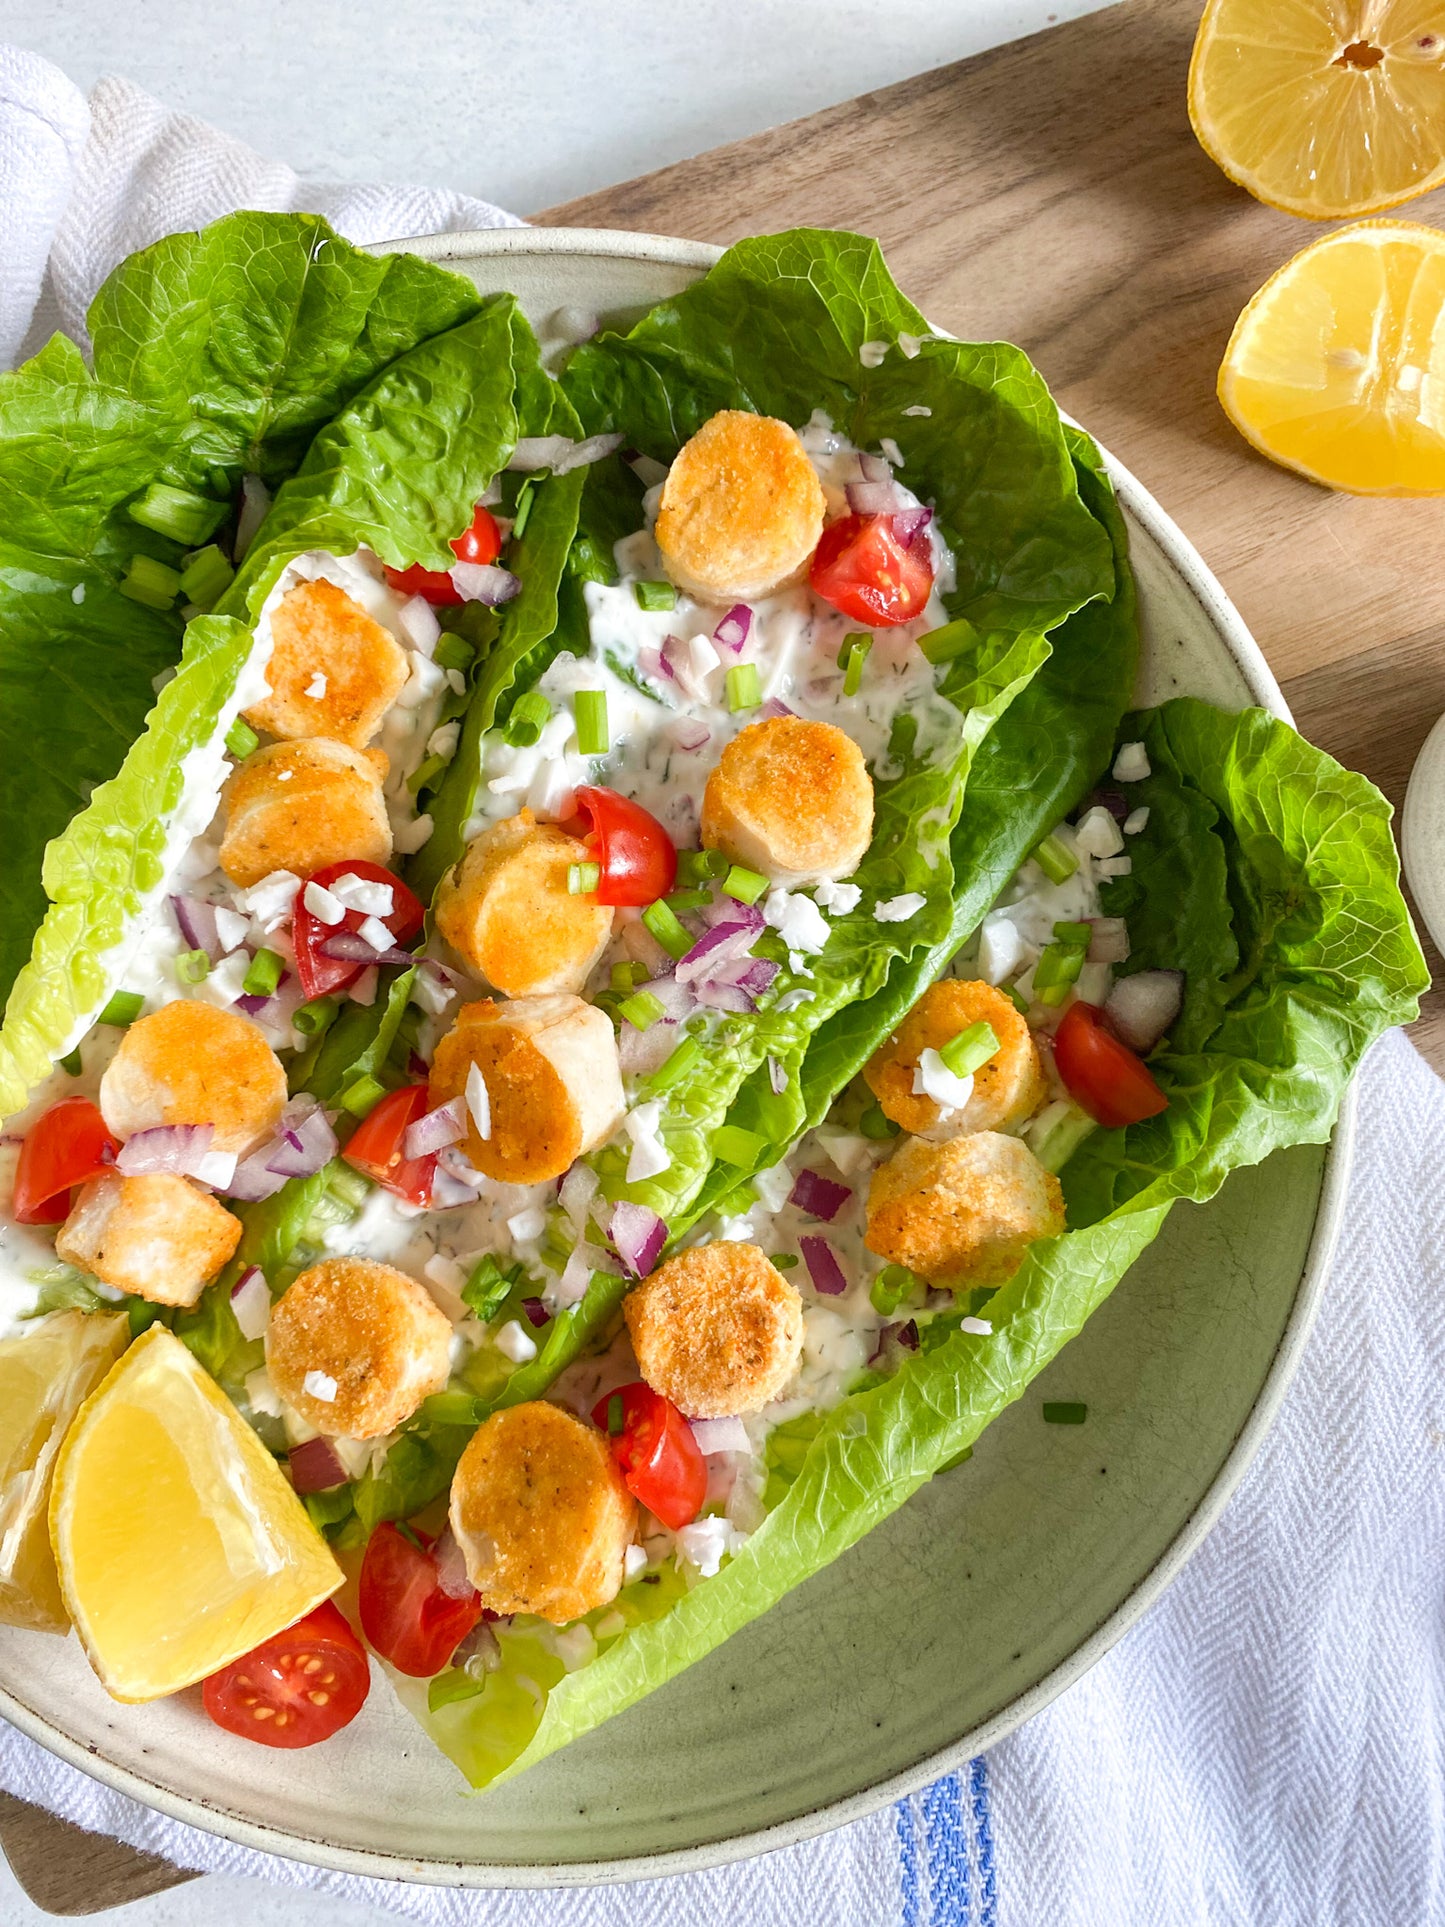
(1264, 1748)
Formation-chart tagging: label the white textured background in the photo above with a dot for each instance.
(525, 103)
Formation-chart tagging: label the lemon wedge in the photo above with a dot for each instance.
(1337, 366)
(43, 1378)
(178, 1543)
(1325, 108)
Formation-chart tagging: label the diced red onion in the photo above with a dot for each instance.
(639, 1235)
(641, 1052)
(1142, 1007)
(560, 453)
(484, 582)
(253, 1179)
(303, 1145)
(315, 1466)
(677, 662)
(732, 632)
(727, 939)
(196, 921)
(1114, 801)
(252, 1005)
(820, 1197)
(1110, 940)
(537, 1313)
(773, 708)
(873, 498)
(691, 737)
(874, 468)
(904, 1337)
(347, 947)
(172, 1149)
(445, 1125)
(255, 501)
(777, 1077)
(823, 1267)
(452, 1567)
(717, 994)
(448, 1192)
(650, 661)
(729, 910)
(460, 1166)
(418, 620)
(908, 523)
(737, 984)
(720, 1435)
(251, 1302)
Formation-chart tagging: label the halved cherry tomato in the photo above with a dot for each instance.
(656, 1453)
(637, 856)
(862, 568)
(321, 975)
(1103, 1076)
(406, 1612)
(482, 542)
(62, 1149)
(295, 1688)
(374, 1147)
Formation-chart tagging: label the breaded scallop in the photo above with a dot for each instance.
(160, 1236)
(541, 1514)
(333, 672)
(791, 799)
(1007, 1089)
(741, 509)
(299, 806)
(190, 1063)
(507, 909)
(963, 1212)
(554, 1090)
(371, 1334)
(717, 1329)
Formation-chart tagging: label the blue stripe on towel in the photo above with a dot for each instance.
(907, 1862)
(983, 1839)
(948, 1853)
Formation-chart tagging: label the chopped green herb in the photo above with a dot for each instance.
(150, 582)
(700, 866)
(1061, 1412)
(264, 975)
(530, 715)
(627, 976)
(615, 1419)
(655, 596)
(971, 1049)
(680, 900)
(851, 658)
(893, 1284)
(677, 1067)
(942, 645)
(71, 1063)
(589, 713)
(123, 1008)
(489, 1286)
(642, 1009)
(186, 518)
(453, 652)
(317, 1016)
(590, 562)
(784, 1260)
(744, 689)
(733, 1145)
(362, 1096)
(663, 924)
(744, 886)
(876, 1123)
(1078, 933)
(206, 577)
(241, 739)
(1055, 859)
(583, 878)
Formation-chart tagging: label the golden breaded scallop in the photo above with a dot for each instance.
(963, 1212)
(324, 642)
(541, 1514)
(1007, 1089)
(371, 1332)
(741, 509)
(160, 1236)
(791, 799)
(190, 1063)
(507, 909)
(300, 806)
(717, 1329)
(554, 1089)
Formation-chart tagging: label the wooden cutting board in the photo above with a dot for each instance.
(1051, 193)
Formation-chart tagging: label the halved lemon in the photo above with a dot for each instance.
(43, 1378)
(1337, 366)
(1325, 108)
(178, 1543)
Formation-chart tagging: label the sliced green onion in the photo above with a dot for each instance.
(193, 966)
(664, 925)
(151, 583)
(642, 1009)
(1063, 1137)
(362, 1096)
(677, 1067)
(745, 690)
(448, 1408)
(186, 518)
(851, 658)
(123, 1008)
(893, 1284)
(902, 736)
(876, 1123)
(743, 886)
(1055, 859)
(680, 900)
(453, 651)
(696, 1025)
(942, 645)
(313, 1018)
(1016, 998)
(971, 1049)
(425, 772)
(1056, 970)
(1062, 1412)
(590, 562)
(522, 512)
(583, 878)
(784, 1260)
(264, 975)
(615, 1417)
(241, 739)
(444, 1689)
(530, 715)
(71, 1063)
(1075, 933)
(656, 596)
(700, 866)
(206, 577)
(589, 713)
(733, 1145)
(627, 976)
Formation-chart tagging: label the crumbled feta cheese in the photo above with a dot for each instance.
(932, 1078)
(515, 1343)
(431, 992)
(527, 1226)
(1131, 765)
(840, 898)
(323, 905)
(1136, 820)
(797, 920)
(774, 1186)
(478, 1102)
(261, 1394)
(720, 1435)
(707, 1542)
(272, 897)
(1000, 950)
(649, 1156)
(231, 927)
(316, 688)
(1110, 867)
(899, 909)
(848, 1151)
(980, 1327)
(634, 1564)
(375, 932)
(320, 1386)
(362, 893)
(1098, 834)
(417, 621)
(407, 838)
(443, 741)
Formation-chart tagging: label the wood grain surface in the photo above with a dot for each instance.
(1051, 193)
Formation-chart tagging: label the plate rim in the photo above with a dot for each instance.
(1224, 618)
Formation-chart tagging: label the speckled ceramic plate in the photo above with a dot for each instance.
(1422, 832)
(1000, 1583)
